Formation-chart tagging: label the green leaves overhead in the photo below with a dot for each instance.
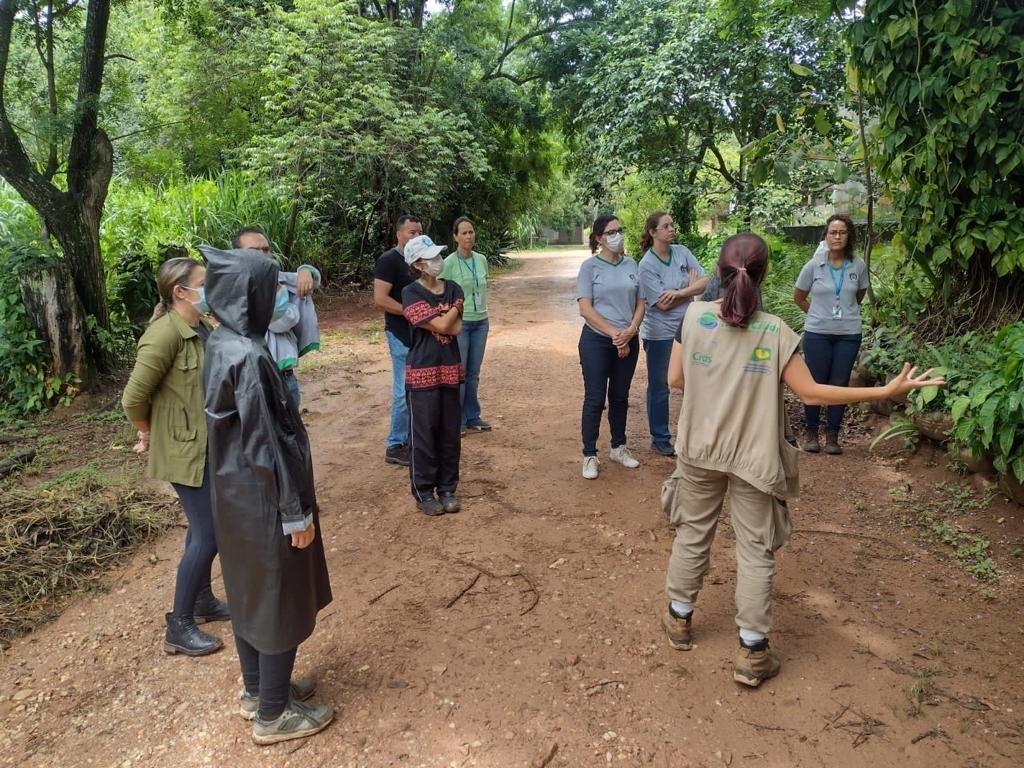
(671, 86)
(947, 80)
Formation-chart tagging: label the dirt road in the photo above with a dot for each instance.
(524, 631)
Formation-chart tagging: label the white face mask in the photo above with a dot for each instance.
(614, 242)
(433, 266)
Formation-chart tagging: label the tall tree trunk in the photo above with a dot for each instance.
(51, 302)
(71, 217)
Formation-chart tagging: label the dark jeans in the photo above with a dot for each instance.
(200, 546)
(831, 360)
(435, 442)
(267, 675)
(658, 352)
(606, 376)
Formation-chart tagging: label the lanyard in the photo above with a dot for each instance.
(472, 269)
(842, 273)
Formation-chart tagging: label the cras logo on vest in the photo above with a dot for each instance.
(760, 361)
(708, 320)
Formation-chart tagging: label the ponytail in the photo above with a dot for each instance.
(647, 240)
(158, 311)
(172, 273)
(742, 264)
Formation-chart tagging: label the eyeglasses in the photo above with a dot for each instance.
(608, 232)
(838, 233)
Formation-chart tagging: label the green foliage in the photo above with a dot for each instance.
(183, 213)
(25, 385)
(989, 418)
(946, 79)
(672, 89)
(972, 550)
(785, 262)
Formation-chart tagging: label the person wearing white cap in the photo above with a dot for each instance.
(433, 373)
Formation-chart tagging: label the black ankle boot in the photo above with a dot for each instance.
(832, 444)
(209, 608)
(183, 636)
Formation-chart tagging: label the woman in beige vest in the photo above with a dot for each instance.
(734, 359)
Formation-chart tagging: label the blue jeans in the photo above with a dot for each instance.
(658, 352)
(605, 375)
(399, 434)
(472, 343)
(831, 359)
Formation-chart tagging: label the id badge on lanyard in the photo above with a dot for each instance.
(837, 309)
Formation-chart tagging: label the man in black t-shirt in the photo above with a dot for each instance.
(390, 276)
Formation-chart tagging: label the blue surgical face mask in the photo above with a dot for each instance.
(201, 306)
(281, 303)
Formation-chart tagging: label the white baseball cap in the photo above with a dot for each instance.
(422, 247)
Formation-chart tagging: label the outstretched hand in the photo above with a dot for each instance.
(909, 380)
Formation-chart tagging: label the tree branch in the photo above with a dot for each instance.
(15, 165)
(90, 81)
(722, 167)
(147, 129)
(495, 71)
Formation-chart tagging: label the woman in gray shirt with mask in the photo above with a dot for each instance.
(612, 308)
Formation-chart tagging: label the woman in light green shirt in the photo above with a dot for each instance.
(469, 269)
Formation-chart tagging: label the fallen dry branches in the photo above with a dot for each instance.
(54, 538)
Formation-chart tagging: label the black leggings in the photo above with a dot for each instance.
(268, 675)
(200, 546)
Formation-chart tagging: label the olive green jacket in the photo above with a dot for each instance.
(166, 389)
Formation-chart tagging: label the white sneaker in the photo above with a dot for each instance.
(624, 457)
(590, 464)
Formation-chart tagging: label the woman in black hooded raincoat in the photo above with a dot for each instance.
(264, 505)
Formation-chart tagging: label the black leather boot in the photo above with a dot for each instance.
(832, 444)
(183, 636)
(209, 608)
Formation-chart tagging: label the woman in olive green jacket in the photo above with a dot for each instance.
(164, 400)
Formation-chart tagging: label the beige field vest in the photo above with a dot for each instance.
(732, 417)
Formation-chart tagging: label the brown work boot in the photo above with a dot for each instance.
(811, 444)
(680, 636)
(754, 666)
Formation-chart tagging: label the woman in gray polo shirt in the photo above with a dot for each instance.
(670, 278)
(835, 282)
(612, 308)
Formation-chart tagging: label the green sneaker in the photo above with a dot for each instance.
(299, 690)
(297, 721)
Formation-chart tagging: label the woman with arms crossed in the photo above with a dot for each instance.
(670, 278)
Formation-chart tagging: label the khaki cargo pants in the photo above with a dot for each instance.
(693, 498)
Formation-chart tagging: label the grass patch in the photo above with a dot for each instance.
(934, 517)
(57, 536)
(922, 693)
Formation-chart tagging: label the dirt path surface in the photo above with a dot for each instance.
(525, 630)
